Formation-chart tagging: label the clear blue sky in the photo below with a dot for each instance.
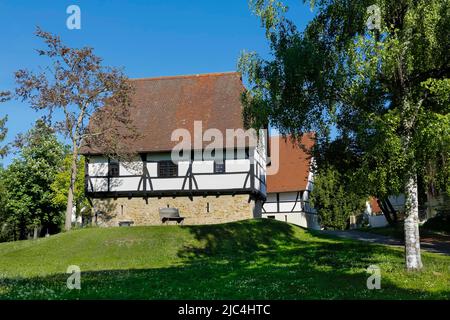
(148, 38)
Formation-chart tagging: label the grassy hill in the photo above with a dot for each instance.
(256, 259)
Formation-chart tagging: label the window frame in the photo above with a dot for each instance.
(222, 164)
(113, 164)
(161, 167)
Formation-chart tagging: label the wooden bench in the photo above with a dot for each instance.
(170, 214)
(126, 223)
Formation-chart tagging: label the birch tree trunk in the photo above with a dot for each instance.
(412, 237)
(71, 192)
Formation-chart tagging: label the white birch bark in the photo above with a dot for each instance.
(412, 237)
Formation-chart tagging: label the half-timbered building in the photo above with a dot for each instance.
(289, 187)
(204, 189)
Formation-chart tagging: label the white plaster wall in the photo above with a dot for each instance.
(98, 185)
(98, 166)
(239, 165)
(202, 167)
(124, 184)
(302, 219)
(152, 169)
(183, 167)
(222, 181)
(168, 184)
(270, 207)
(377, 221)
(298, 207)
(286, 206)
(257, 184)
(130, 168)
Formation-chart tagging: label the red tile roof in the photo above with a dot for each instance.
(294, 164)
(161, 105)
(374, 205)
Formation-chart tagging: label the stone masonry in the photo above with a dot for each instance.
(109, 212)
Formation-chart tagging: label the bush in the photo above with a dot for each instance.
(334, 200)
(441, 222)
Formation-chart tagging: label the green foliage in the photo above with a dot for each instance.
(441, 222)
(270, 11)
(72, 90)
(60, 186)
(385, 93)
(3, 132)
(334, 200)
(3, 152)
(28, 198)
(4, 231)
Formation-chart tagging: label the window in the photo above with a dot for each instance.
(113, 168)
(167, 169)
(219, 167)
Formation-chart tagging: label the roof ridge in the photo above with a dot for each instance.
(214, 74)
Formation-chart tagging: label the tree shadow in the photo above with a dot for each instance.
(272, 239)
(105, 211)
(236, 239)
(256, 259)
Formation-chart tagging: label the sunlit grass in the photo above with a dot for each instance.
(256, 259)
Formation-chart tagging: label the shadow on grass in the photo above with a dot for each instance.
(246, 260)
(238, 239)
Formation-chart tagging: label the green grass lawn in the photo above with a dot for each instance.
(256, 259)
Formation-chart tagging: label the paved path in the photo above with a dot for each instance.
(442, 247)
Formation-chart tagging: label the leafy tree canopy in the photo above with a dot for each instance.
(84, 91)
(375, 87)
(334, 200)
(61, 184)
(27, 194)
(376, 71)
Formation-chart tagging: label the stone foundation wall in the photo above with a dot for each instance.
(223, 209)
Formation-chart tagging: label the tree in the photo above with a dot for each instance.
(77, 85)
(337, 193)
(333, 200)
(28, 198)
(3, 152)
(384, 89)
(3, 132)
(5, 235)
(62, 182)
